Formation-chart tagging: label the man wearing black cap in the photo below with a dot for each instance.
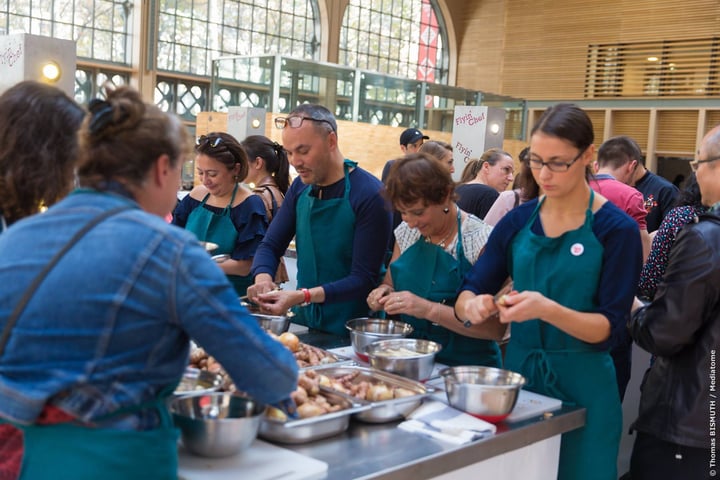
(411, 139)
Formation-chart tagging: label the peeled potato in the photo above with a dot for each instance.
(379, 392)
(502, 300)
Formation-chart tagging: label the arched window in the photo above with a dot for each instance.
(101, 29)
(404, 38)
(191, 33)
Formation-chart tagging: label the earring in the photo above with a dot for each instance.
(446, 209)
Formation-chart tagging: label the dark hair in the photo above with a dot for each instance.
(227, 150)
(274, 155)
(326, 120)
(690, 195)
(617, 151)
(38, 147)
(529, 189)
(123, 137)
(569, 122)
(491, 156)
(418, 176)
(436, 148)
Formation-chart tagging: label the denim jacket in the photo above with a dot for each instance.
(110, 325)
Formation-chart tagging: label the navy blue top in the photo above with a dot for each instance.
(372, 232)
(248, 217)
(664, 194)
(616, 231)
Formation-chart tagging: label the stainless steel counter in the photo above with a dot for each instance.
(368, 451)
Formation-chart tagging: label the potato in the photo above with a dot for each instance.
(291, 341)
(307, 410)
(379, 392)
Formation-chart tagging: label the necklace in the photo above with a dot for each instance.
(441, 243)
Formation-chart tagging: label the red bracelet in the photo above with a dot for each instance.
(306, 295)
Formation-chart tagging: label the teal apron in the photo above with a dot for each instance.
(219, 229)
(430, 272)
(324, 240)
(567, 270)
(78, 452)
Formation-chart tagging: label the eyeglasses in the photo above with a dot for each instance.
(694, 164)
(557, 167)
(296, 122)
(209, 140)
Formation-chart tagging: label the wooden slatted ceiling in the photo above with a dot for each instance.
(633, 123)
(676, 131)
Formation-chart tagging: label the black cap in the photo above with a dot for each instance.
(411, 135)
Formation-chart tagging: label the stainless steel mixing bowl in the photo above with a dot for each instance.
(217, 424)
(408, 357)
(364, 331)
(486, 392)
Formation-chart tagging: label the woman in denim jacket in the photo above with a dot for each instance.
(106, 335)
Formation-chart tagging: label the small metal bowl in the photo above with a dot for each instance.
(364, 331)
(217, 424)
(276, 324)
(485, 392)
(408, 357)
(195, 381)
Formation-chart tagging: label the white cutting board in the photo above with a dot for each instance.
(262, 461)
(530, 404)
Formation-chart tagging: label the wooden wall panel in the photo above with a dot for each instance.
(712, 119)
(597, 117)
(633, 123)
(544, 43)
(676, 132)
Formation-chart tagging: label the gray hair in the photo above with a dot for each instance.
(324, 119)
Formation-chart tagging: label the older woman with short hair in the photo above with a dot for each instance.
(435, 245)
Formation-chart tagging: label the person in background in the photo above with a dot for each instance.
(476, 195)
(495, 168)
(38, 147)
(681, 327)
(659, 194)
(611, 162)
(687, 208)
(222, 211)
(97, 318)
(341, 227)
(525, 189)
(269, 174)
(440, 150)
(435, 246)
(574, 258)
(411, 139)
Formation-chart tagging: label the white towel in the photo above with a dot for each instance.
(440, 421)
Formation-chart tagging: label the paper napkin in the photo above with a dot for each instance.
(440, 421)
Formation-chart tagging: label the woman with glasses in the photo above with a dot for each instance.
(99, 300)
(222, 211)
(575, 259)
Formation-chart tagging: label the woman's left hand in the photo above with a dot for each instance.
(276, 302)
(404, 302)
(522, 306)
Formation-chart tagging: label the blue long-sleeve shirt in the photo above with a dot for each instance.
(372, 232)
(622, 261)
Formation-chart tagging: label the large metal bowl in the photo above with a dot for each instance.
(217, 424)
(486, 392)
(408, 357)
(364, 331)
(276, 324)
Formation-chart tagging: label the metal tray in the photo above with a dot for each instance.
(330, 359)
(313, 428)
(385, 410)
